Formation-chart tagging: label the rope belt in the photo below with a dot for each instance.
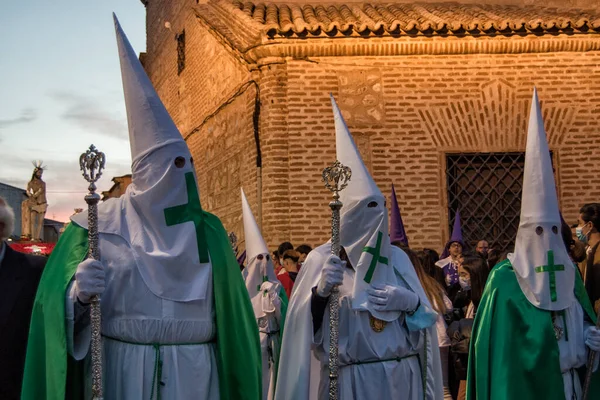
(397, 359)
(157, 375)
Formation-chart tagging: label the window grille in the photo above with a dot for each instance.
(180, 52)
(486, 188)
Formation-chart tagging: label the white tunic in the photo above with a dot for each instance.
(406, 346)
(573, 353)
(370, 362)
(132, 314)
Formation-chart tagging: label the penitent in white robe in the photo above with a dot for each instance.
(137, 318)
(401, 362)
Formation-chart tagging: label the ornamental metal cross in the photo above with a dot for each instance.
(376, 253)
(551, 269)
(190, 212)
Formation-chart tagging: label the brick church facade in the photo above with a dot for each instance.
(436, 94)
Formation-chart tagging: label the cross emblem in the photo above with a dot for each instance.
(190, 212)
(265, 278)
(551, 270)
(376, 253)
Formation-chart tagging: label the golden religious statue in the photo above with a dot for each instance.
(35, 206)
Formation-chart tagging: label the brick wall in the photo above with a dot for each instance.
(431, 105)
(406, 113)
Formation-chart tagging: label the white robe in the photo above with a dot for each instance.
(573, 353)
(132, 313)
(303, 370)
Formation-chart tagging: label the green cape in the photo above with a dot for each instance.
(514, 353)
(48, 367)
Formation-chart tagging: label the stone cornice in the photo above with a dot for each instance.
(405, 46)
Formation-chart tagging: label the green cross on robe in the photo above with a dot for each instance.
(265, 278)
(551, 270)
(376, 253)
(190, 212)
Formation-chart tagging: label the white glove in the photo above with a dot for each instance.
(332, 275)
(592, 338)
(270, 298)
(392, 298)
(90, 280)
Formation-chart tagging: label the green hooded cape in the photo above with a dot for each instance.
(514, 353)
(50, 373)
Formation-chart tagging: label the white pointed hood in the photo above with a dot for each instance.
(539, 247)
(362, 226)
(257, 271)
(160, 215)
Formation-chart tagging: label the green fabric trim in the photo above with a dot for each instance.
(505, 324)
(238, 344)
(47, 361)
(51, 374)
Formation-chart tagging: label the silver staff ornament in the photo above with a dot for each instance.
(336, 178)
(92, 163)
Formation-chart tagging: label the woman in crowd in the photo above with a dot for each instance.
(472, 276)
(441, 303)
(588, 232)
(428, 258)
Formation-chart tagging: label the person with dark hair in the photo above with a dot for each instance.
(493, 257)
(283, 247)
(472, 276)
(450, 258)
(282, 273)
(483, 247)
(290, 263)
(428, 258)
(303, 249)
(442, 305)
(588, 232)
(19, 277)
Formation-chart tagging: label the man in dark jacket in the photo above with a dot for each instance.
(19, 277)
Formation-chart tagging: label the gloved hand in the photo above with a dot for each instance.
(332, 275)
(90, 280)
(270, 298)
(592, 338)
(392, 298)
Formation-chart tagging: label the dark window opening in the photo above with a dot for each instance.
(486, 188)
(180, 52)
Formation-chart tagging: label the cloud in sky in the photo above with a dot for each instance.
(27, 115)
(90, 113)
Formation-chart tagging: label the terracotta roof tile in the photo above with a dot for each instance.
(285, 20)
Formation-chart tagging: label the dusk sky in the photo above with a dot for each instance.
(61, 91)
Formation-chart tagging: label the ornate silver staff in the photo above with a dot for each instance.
(590, 367)
(92, 163)
(336, 178)
(233, 241)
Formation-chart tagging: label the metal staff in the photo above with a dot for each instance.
(92, 163)
(590, 366)
(336, 178)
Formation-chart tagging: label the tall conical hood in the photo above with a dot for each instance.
(363, 223)
(456, 235)
(362, 184)
(397, 232)
(259, 269)
(255, 244)
(150, 125)
(541, 261)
